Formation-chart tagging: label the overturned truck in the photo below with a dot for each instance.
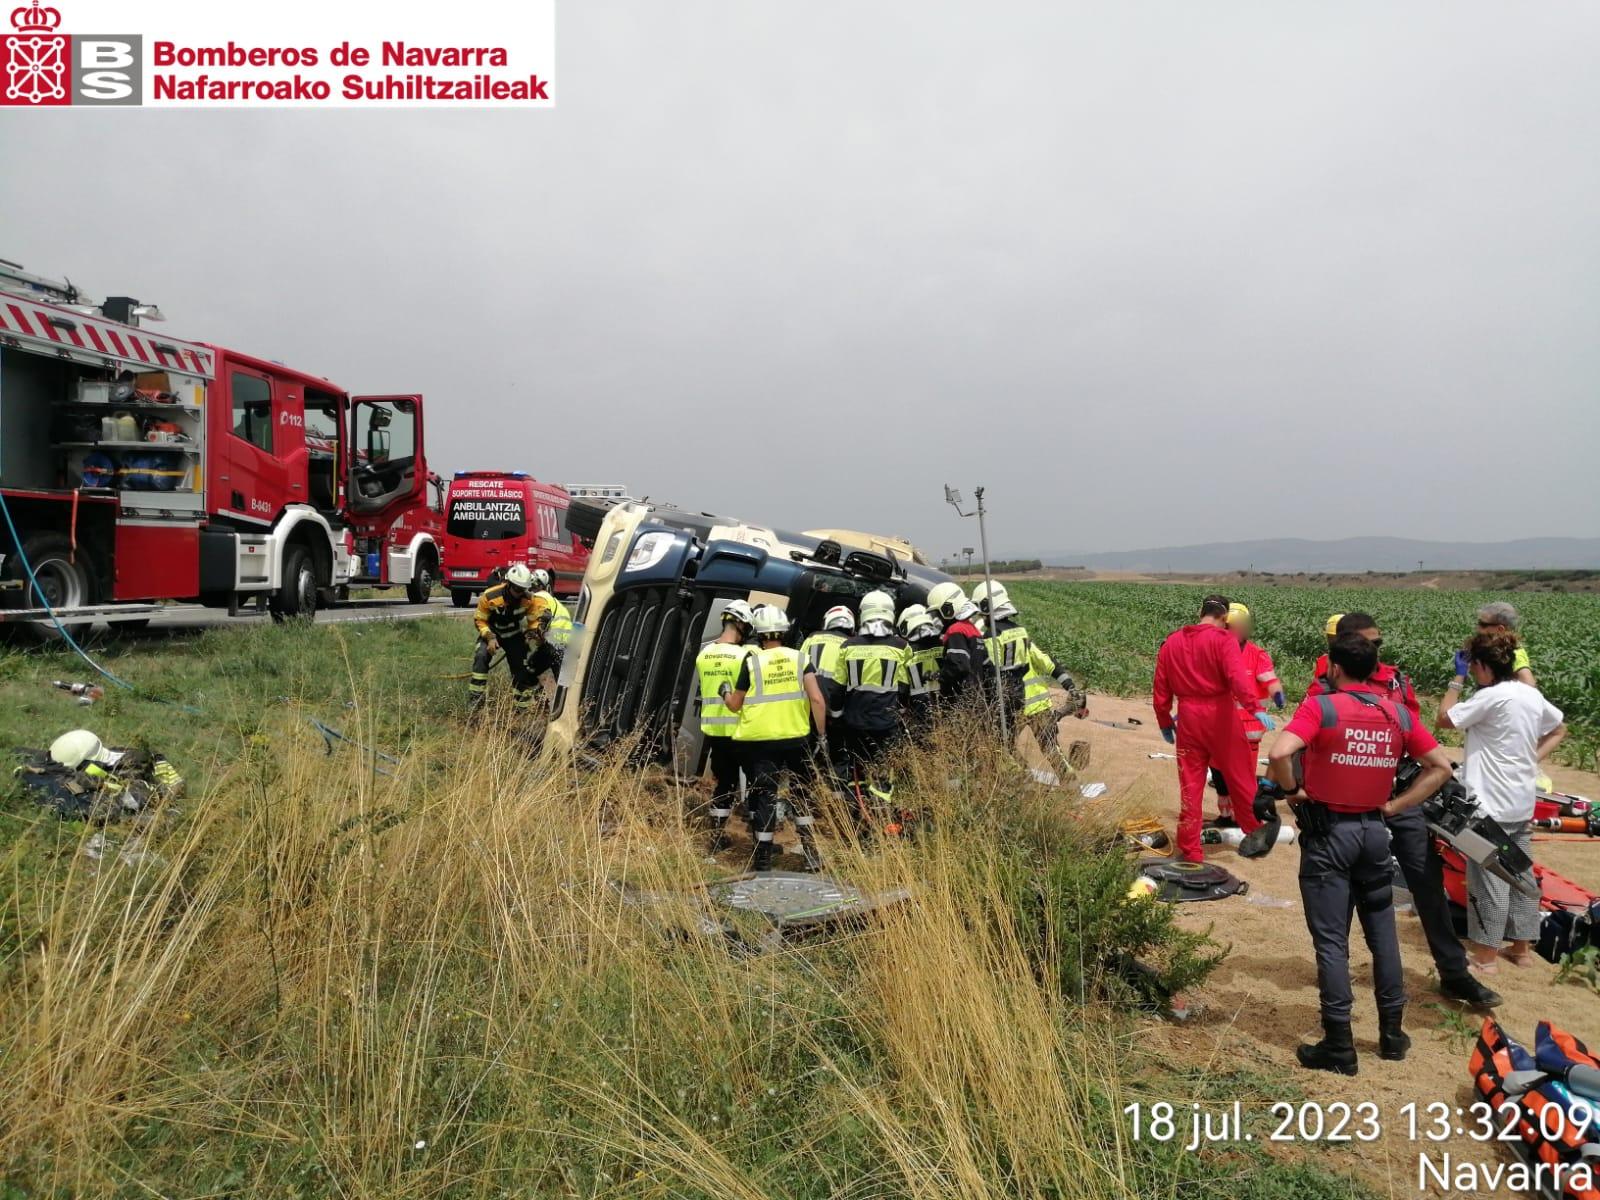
(653, 594)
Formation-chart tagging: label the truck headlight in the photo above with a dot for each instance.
(648, 551)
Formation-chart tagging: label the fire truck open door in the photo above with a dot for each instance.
(385, 459)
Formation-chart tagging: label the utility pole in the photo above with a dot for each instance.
(952, 497)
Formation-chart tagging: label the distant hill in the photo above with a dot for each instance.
(1287, 556)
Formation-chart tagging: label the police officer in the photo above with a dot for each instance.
(777, 699)
(510, 618)
(717, 664)
(965, 664)
(1005, 640)
(924, 634)
(872, 668)
(1413, 844)
(1353, 739)
(821, 650)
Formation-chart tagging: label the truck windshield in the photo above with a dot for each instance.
(487, 519)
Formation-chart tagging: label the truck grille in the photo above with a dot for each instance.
(642, 661)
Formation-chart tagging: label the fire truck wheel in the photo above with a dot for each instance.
(420, 589)
(67, 580)
(297, 596)
(459, 598)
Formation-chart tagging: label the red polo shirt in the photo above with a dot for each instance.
(1354, 746)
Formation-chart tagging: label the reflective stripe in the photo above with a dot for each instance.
(758, 686)
(730, 719)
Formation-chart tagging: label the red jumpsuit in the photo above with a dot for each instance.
(1265, 676)
(1200, 666)
(1386, 680)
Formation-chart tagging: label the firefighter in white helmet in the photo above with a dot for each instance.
(924, 634)
(965, 664)
(509, 618)
(1006, 642)
(718, 664)
(556, 634)
(821, 650)
(873, 671)
(778, 701)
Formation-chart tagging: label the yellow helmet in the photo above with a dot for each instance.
(1332, 627)
(1238, 614)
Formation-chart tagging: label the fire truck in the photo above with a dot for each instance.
(137, 468)
(496, 518)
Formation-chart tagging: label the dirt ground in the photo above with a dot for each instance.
(1262, 1001)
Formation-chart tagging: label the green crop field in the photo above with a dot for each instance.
(1108, 633)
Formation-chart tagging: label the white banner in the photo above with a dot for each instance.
(287, 53)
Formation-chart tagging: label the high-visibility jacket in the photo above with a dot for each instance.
(1042, 672)
(873, 670)
(500, 616)
(559, 632)
(821, 650)
(775, 704)
(922, 669)
(716, 664)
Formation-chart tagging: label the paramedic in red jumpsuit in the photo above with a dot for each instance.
(1201, 667)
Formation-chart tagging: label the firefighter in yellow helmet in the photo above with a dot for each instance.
(873, 667)
(718, 664)
(778, 701)
(509, 618)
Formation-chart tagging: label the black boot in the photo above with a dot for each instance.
(765, 852)
(1470, 992)
(1335, 1052)
(1393, 1041)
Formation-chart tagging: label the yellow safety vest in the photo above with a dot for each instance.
(821, 650)
(874, 667)
(1036, 685)
(1011, 649)
(559, 632)
(775, 708)
(717, 664)
(923, 670)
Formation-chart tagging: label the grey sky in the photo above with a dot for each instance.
(1155, 273)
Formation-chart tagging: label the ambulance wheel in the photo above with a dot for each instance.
(420, 589)
(63, 579)
(296, 598)
(460, 598)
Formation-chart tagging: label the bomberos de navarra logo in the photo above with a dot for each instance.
(231, 57)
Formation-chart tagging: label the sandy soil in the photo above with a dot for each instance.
(1263, 1000)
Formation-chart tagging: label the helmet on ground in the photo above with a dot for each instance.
(877, 606)
(1332, 627)
(770, 621)
(541, 579)
(519, 577)
(992, 598)
(912, 616)
(79, 747)
(1238, 615)
(738, 612)
(839, 617)
(950, 602)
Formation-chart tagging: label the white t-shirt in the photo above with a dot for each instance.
(1503, 725)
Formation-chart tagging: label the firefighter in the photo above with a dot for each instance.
(718, 663)
(1413, 846)
(1254, 719)
(1353, 738)
(1006, 640)
(778, 701)
(965, 664)
(509, 618)
(1039, 712)
(924, 634)
(557, 634)
(1201, 668)
(873, 671)
(821, 650)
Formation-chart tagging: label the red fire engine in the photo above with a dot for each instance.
(136, 467)
(496, 518)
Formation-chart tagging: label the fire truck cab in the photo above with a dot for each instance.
(137, 467)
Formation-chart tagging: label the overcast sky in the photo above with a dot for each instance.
(1155, 273)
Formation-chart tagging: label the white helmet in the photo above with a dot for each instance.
(877, 606)
(917, 621)
(950, 602)
(992, 598)
(79, 747)
(770, 621)
(519, 577)
(839, 617)
(541, 580)
(739, 612)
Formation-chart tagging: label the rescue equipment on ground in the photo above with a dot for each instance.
(1146, 836)
(1452, 814)
(81, 779)
(1181, 882)
(1549, 1099)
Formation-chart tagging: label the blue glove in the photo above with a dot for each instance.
(1266, 721)
(1278, 700)
(1463, 663)
(1170, 736)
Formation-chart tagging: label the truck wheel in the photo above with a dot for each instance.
(460, 598)
(297, 596)
(65, 579)
(420, 589)
(584, 515)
